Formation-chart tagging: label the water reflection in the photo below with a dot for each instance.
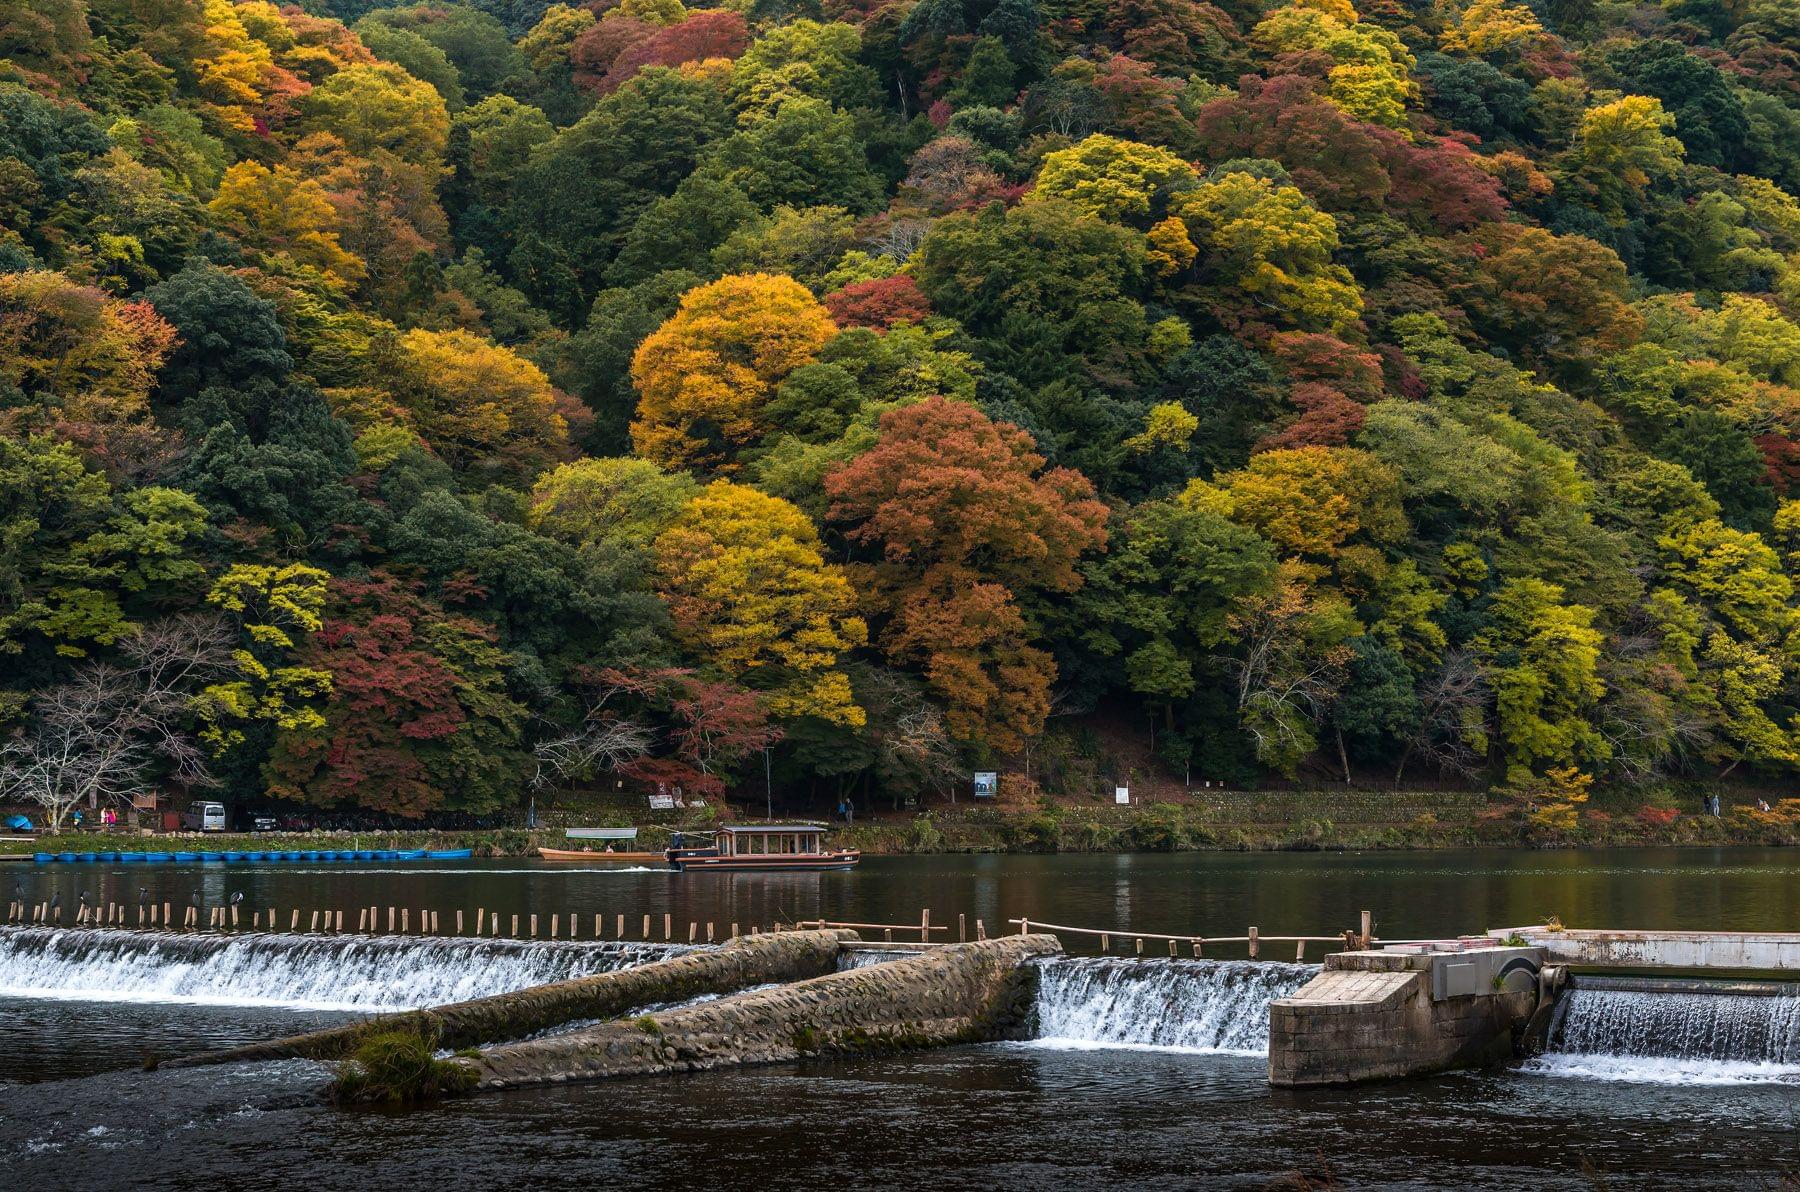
(1410, 894)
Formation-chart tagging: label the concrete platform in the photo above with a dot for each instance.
(1380, 1015)
(1743, 951)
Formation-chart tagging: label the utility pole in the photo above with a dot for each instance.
(768, 786)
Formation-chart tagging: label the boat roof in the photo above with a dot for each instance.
(765, 828)
(602, 833)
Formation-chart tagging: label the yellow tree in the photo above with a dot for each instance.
(478, 405)
(1370, 76)
(241, 86)
(1490, 29)
(285, 218)
(381, 112)
(1110, 178)
(1308, 501)
(1273, 245)
(78, 362)
(705, 375)
(1624, 145)
(274, 608)
(751, 594)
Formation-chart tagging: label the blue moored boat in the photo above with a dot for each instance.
(43, 858)
(214, 858)
(412, 854)
(450, 854)
(253, 857)
(65, 857)
(185, 858)
(90, 858)
(109, 858)
(131, 858)
(233, 858)
(386, 854)
(157, 857)
(365, 854)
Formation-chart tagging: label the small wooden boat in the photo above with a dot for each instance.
(602, 856)
(608, 846)
(763, 848)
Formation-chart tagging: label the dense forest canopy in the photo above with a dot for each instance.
(401, 406)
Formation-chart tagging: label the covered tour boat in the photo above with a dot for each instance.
(761, 848)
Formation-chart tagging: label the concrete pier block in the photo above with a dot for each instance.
(1380, 1015)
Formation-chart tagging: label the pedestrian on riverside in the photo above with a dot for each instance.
(849, 812)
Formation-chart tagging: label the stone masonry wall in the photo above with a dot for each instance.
(738, 964)
(957, 994)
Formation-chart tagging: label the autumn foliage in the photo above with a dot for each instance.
(498, 398)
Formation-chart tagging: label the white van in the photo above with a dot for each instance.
(204, 817)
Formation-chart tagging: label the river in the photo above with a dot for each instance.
(1147, 1074)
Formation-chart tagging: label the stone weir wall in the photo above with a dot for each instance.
(962, 993)
(737, 964)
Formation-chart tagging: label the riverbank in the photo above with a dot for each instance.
(1251, 821)
(1313, 820)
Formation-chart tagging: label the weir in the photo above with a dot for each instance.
(744, 962)
(959, 993)
(358, 973)
(1195, 1005)
(1696, 1029)
(552, 1011)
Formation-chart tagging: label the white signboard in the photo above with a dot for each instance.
(1121, 794)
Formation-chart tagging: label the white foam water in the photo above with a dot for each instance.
(357, 973)
(1174, 1005)
(1674, 1038)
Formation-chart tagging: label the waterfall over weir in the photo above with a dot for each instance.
(1675, 1037)
(1198, 1005)
(357, 973)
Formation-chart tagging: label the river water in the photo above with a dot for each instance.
(1143, 1073)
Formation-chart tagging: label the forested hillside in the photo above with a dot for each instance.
(406, 406)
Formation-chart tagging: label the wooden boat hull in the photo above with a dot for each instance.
(575, 854)
(770, 863)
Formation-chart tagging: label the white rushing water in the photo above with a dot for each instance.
(1187, 1005)
(1674, 1038)
(360, 973)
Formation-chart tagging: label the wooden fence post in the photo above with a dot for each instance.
(1253, 943)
